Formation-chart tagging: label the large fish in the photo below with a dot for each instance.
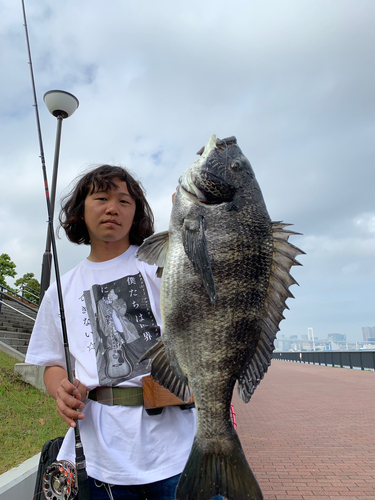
(224, 285)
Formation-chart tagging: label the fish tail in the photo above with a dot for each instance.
(222, 471)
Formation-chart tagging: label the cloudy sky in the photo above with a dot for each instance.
(293, 80)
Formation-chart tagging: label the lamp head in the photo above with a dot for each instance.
(60, 103)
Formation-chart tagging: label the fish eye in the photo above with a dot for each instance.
(236, 166)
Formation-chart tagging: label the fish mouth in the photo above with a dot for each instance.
(207, 188)
(201, 184)
(188, 187)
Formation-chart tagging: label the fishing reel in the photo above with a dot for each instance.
(59, 481)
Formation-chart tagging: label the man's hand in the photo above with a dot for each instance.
(69, 397)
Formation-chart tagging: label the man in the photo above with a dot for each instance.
(129, 453)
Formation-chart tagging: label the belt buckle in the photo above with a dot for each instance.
(104, 395)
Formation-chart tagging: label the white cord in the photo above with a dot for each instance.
(107, 488)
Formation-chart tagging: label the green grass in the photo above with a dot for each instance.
(28, 417)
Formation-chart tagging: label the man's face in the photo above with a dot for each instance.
(109, 214)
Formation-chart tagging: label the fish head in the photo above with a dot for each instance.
(221, 174)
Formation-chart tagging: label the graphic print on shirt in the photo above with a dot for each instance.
(123, 328)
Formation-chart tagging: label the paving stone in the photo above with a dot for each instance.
(308, 432)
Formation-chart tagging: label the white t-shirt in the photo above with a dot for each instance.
(112, 315)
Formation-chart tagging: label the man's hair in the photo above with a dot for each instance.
(104, 178)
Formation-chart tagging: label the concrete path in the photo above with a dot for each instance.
(308, 432)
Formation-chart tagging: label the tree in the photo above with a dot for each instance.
(28, 280)
(7, 268)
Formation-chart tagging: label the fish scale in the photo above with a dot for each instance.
(225, 282)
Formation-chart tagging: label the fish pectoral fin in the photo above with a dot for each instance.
(255, 370)
(154, 250)
(166, 372)
(195, 246)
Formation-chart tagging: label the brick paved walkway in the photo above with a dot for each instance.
(308, 432)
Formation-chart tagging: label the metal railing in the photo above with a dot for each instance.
(16, 310)
(365, 360)
(30, 291)
(10, 294)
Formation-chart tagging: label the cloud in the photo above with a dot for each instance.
(292, 80)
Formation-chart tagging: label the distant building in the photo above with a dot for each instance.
(333, 342)
(336, 337)
(282, 345)
(368, 331)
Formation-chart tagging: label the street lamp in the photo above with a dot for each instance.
(60, 104)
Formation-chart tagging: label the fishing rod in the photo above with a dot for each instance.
(62, 480)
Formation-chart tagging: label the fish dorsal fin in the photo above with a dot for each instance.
(167, 372)
(195, 246)
(280, 280)
(154, 250)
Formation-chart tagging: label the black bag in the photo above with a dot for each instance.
(49, 454)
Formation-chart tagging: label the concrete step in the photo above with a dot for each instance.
(5, 316)
(16, 316)
(21, 346)
(16, 303)
(16, 328)
(15, 343)
(11, 328)
(9, 334)
(15, 323)
(11, 307)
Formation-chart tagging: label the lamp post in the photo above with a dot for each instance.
(61, 105)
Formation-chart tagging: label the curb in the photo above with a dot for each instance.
(19, 482)
(12, 352)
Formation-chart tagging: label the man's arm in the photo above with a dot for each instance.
(68, 396)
